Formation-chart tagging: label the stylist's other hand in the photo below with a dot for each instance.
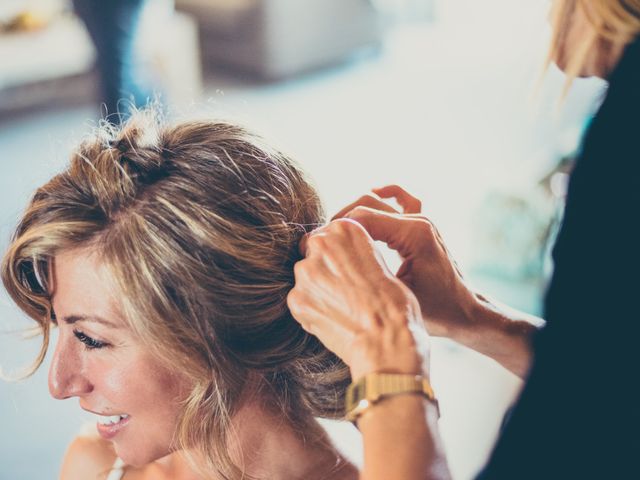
(427, 268)
(346, 296)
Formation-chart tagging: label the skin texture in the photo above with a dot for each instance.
(450, 308)
(346, 295)
(120, 377)
(385, 305)
(89, 456)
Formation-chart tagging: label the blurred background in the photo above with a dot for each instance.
(445, 97)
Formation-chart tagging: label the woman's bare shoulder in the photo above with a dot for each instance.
(88, 457)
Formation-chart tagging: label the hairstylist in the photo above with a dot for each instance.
(577, 416)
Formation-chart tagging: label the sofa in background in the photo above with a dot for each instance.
(273, 39)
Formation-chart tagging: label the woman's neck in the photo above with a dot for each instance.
(267, 446)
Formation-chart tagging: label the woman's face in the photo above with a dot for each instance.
(98, 360)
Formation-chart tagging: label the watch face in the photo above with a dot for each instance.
(358, 410)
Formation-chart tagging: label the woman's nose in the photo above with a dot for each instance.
(66, 376)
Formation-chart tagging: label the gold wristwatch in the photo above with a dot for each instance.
(374, 387)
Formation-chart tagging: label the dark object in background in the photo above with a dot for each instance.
(578, 414)
(113, 26)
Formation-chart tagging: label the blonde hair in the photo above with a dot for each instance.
(613, 22)
(199, 225)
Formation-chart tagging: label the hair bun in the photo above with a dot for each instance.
(139, 145)
(120, 144)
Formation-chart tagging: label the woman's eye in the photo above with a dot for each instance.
(90, 343)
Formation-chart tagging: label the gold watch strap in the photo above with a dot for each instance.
(373, 387)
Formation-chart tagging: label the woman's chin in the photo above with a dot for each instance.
(136, 457)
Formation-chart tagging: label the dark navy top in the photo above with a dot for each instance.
(578, 416)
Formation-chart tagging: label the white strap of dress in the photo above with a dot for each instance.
(117, 471)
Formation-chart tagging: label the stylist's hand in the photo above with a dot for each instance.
(346, 296)
(447, 304)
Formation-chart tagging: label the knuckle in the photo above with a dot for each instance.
(316, 242)
(293, 300)
(352, 230)
(298, 270)
(367, 198)
(308, 327)
(359, 211)
(296, 302)
(303, 271)
(424, 225)
(345, 225)
(426, 232)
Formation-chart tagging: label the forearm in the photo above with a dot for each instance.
(402, 441)
(501, 333)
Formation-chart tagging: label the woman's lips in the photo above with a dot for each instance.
(109, 431)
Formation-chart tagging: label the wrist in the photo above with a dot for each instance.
(501, 333)
(405, 362)
(484, 326)
(360, 372)
(402, 440)
(482, 322)
(376, 388)
(403, 408)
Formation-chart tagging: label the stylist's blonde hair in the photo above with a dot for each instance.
(614, 22)
(199, 226)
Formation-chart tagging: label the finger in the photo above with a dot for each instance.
(384, 227)
(302, 246)
(366, 201)
(335, 243)
(408, 202)
(336, 247)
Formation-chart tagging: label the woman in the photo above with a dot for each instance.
(577, 416)
(164, 255)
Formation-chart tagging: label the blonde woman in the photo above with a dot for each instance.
(163, 255)
(578, 415)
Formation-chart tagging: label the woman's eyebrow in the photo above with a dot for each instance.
(71, 319)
